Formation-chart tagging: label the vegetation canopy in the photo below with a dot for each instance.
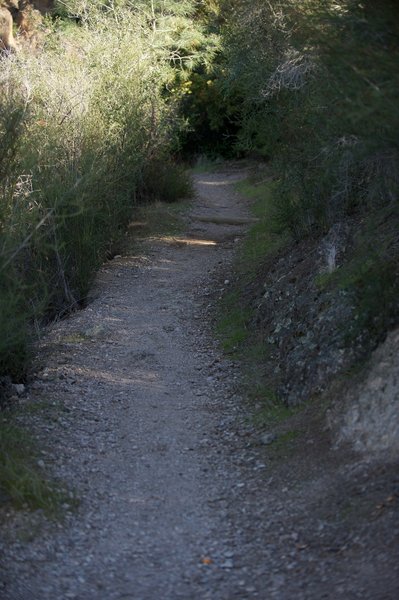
(86, 120)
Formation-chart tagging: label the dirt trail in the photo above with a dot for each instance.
(140, 400)
(179, 498)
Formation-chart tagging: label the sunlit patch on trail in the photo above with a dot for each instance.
(140, 376)
(214, 183)
(178, 241)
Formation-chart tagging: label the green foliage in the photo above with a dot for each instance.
(235, 325)
(374, 286)
(22, 481)
(313, 88)
(14, 327)
(265, 237)
(88, 127)
(268, 410)
(317, 89)
(211, 128)
(232, 323)
(165, 181)
(371, 277)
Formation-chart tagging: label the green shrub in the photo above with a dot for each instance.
(85, 125)
(165, 181)
(314, 89)
(317, 89)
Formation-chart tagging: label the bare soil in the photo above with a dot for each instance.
(179, 495)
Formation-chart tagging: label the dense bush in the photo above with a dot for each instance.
(318, 85)
(82, 122)
(314, 89)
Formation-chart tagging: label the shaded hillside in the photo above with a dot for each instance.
(311, 90)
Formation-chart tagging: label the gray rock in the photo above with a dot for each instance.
(19, 388)
(267, 438)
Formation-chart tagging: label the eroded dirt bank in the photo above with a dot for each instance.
(180, 498)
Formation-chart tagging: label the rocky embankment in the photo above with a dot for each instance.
(305, 323)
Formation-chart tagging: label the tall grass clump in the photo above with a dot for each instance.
(82, 122)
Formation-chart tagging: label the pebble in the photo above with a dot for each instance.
(227, 564)
(267, 438)
(19, 388)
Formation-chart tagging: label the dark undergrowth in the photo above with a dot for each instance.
(313, 88)
(235, 327)
(24, 480)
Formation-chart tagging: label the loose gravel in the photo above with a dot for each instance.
(179, 495)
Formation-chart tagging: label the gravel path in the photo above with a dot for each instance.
(177, 497)
(142, 389)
